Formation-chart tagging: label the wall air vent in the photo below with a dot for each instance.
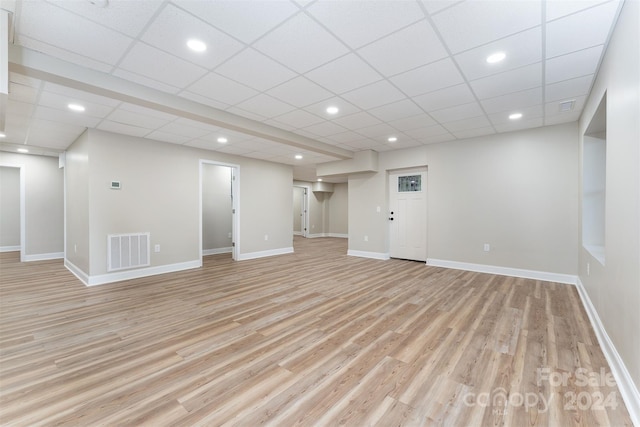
(567, 105)
(128, 251)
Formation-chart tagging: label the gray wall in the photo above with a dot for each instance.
(9, 208)
(614, 288)
(44, 204)
(517, 191)
(327, 211)
(338, 210)
(216, 208)
(160, 195)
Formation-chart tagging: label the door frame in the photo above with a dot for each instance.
(425, 189)
(235, 206)
(23, 224)
(305, 210)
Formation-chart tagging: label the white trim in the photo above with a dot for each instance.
(625, 383)
(365, 254)
(42, 257)
(9, 248)
(339, 235)
(216, 251)
(262, 254)
(505, 271)
(306, 207)
(131, 274)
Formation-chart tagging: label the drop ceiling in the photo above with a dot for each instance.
(413, 70)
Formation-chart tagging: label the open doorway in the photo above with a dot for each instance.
(300, 210)
(219, 208)
(12, 226)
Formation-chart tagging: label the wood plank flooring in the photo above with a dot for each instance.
(314, 338)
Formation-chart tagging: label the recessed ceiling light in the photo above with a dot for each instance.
(223, 140)
(319, 179)
(515, 116)
(332, 110)
(196, 45)
(392, 139)
(298, 156)
(22, 150)
(496, 57)
(76, 107)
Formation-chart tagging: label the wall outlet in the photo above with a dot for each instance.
(156, 248)
(266, 237)
(487, 247)
(378, 209)
(229, 236)
(366, 238)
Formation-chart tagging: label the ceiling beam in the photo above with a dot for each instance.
(40, 66)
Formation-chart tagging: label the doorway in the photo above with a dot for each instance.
(408, 214)
(300, 210)
(12, 215)
(219, 208)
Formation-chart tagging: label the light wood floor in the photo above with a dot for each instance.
(314, 338)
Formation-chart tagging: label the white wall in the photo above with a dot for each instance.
(9, 209)
(338, 210)
(160, 195)
(77, 231)
(517, 191)
(216, 208)
(614, 288)
(44, 204)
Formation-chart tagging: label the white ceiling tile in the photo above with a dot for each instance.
(444, 98)
(171, 30)
(19, 108)
(520, 124)
(413, 122)
(438, 138)
(60, 102)
(426, 132)
(124, 16)
(300, 92)
(357, 120)
(300, 44)
(22, 93)
(510, 101)
(345, 108)
(204, 100)
(568, 88)
(197, 124)
(221, 89)
(248, 114)
(52, 139)
(229, 149)
(562, 118)
(344, 137)
(510, 81)
(62, 54)
(396, 110)
(122, 128)
(344, 74)
(145, 81)
(468, 124)
(245, 20)
(265, 105)
(147, 111)
(581, 30)
(255, 70)
(434, 6)
(558, 8)
(56, 127)
(428, 78)
(80, 95)
(373, 95)
(183, 130)
(174, 71)
(24, 80)
(474, 23)
(404, 50)
(167, 137)
(364, 144)
(458, 112)
(378, 132)
(361, 22)
(128, 117)
(233, 137)
(472, 133)
(66, 117)
(206, 145)
(576, 64)
(298, 119)
(528, 113)
(324, 129)
(58, 27)
(521, 49)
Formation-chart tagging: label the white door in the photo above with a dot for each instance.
(408, 215)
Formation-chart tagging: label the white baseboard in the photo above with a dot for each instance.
(339, 235)
(43, 257)
(9, 248)
(627, 387)
(103, 279)
(262, 254)
(216, 251)
(365, 254)
(505, 271)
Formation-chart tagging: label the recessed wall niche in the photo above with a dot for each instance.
(594, 175)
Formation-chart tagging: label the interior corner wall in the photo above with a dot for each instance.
(517, 191)
(216, 208)
(44, 204)
(338, 210)
(614, 288)
(76, 172)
